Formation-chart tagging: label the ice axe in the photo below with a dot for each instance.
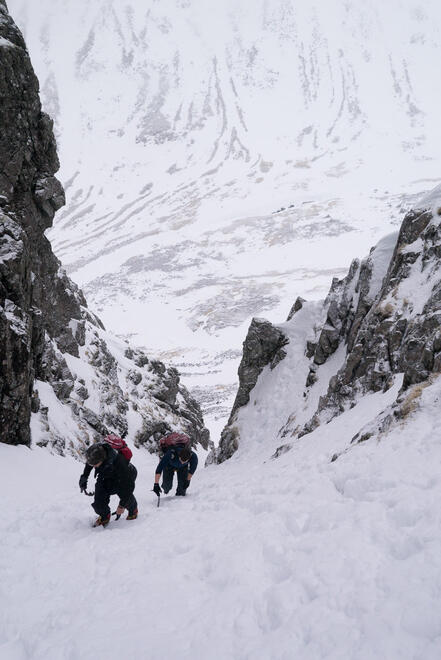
(158, 495)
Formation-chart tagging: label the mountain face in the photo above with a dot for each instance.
(219, 160)
(63, 380)
(379, 330)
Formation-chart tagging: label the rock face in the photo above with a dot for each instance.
(30, 284)
(399, 332)
(61, 378)
(263, 346)
(381, 322)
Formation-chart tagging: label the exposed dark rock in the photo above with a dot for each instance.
(103, 360)
(151, 433)
(49, 196)
(141, 360)
(170, 386)
(35, 402)
(31, 285)
(93, 420)
(156, 366)
(193, 414)
(229, 443)
(296, 307)
(310, 348)
(82, 392)
(388, 336)
(312, 376)
(283, 449)
(340, 315)
(262, 347)
(53, 369)
(135, 377)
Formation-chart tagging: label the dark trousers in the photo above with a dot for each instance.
(167, 479)
(104, 488)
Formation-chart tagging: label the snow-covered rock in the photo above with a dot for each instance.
(379, 326)
(263, 345)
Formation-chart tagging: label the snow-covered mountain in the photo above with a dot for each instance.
(222, 158)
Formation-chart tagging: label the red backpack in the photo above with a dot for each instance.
(174, 440)
(119, 444)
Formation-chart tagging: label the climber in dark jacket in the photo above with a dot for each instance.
(183, 461)
(114, 476)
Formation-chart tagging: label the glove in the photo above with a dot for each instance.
(83, 482)
(157, 489)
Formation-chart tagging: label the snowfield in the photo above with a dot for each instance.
(294, 558)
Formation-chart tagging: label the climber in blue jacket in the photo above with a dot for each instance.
(182, 461)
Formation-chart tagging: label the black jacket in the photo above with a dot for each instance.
(114, 474)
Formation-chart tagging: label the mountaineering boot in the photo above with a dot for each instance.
(103, 522)
(133, 515)
(180, 492)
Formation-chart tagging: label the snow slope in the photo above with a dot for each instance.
(298, 557)
(185, 128)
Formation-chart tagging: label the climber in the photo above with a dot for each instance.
(184, 462)
(115, 475)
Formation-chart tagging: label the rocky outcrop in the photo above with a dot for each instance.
(400, 331)
(263, 346)
(62, 379)
(31, 283)
(380, 326)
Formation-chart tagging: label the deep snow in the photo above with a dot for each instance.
(298, 557)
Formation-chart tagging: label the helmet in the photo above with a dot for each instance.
(95, 454)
